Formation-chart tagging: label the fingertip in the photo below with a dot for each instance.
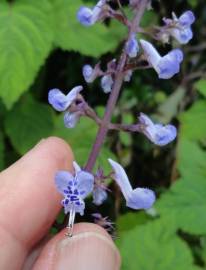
(27, 187)
(55, 147)
(90, 247)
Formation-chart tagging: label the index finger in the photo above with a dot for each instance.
(29, 201)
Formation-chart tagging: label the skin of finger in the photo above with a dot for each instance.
(91, 247)
(29, 200)
(35, 252)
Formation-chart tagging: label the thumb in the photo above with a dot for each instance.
(90, 248)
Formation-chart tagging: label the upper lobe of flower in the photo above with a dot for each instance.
(61, 102)
(180, 28)
(87, 16)
(170, 64)
(157, 133)
(139, 198)
(166, 66)
(74, 188)
(187, 18)
(132, 47)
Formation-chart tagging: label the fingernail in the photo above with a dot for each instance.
(87, 251)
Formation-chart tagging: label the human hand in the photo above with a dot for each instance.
(29, 205)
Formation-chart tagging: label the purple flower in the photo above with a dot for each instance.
(166, 66)
(71, 119)
(61, 102)
(74, 188)
(88, 16)
(107, 83)
(99, 195)
(132, 47)
(139, 198)
(180, 28)
(157, 133)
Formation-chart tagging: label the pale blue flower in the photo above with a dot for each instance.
(71, 119)
(139, 198)
(88, 16)
(166, 66)
(107, 83)
(61, 102)
(74, 188)
(128, 75)
(180, 28)
(157, 133)
(132, 47)
(88, 73)
(99, 195)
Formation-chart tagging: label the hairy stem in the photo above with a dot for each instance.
(119, 76)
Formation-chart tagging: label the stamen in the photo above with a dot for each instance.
(71, 222)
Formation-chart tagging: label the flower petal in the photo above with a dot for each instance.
(62, 179)
(164, 134)
(76, 166)
(187, 18)
(121, 178)
(141, 198)
(183, 36)
(97, 10)
(57, 99)
(157, 133)
(128, 75)
(85, 183)
(147, 126)
(151, 54)
(107, 83)
(88, 73)
(61, 102)
(84, 16)
(169, 65)
(99, 195)
(72, 95)
(132, 47)
(78, 207)
(71, 119)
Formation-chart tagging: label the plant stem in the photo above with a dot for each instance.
(119, 76)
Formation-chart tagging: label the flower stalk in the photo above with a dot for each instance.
(118, 81)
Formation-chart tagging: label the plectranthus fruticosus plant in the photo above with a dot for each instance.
(76, 186)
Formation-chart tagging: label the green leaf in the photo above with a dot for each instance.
(28, 122)
(81, 139)
(186, 203)
(193, 124)
(191, 160)
(26, 37)
(154, 246)
(130, 220)
(71, 35)
(169, 108)
(201, 87)
(186, 200)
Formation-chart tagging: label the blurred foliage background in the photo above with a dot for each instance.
(42, 46)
